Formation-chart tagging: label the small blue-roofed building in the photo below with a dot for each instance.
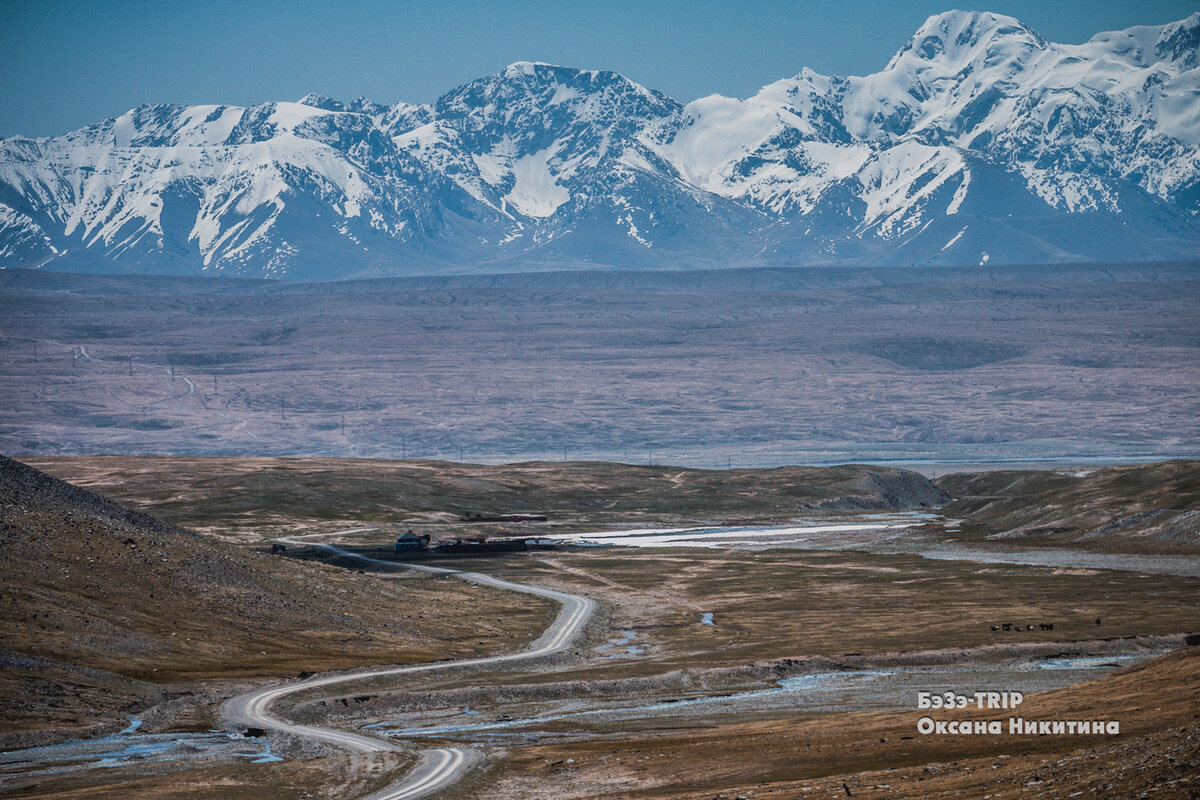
(410, 541)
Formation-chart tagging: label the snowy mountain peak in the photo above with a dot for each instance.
(360, 105)
(1179, 43)
(529, 68)
(321, 101)
(531, 106)
(526, 82)
(960, 30)
(978, 142)
(1175, 46)
(956, 40)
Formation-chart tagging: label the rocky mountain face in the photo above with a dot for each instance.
(979, 142)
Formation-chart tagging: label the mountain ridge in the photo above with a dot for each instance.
(980, 141)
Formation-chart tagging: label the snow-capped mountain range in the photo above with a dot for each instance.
(980, 141)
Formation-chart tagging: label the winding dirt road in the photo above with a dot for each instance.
(439, 767)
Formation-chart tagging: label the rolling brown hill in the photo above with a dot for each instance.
(1145, 506)
(253, 495)
(104, 607)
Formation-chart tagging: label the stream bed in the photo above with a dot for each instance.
(893, 688)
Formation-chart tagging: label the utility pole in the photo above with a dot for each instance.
(564, 454)
(72, 356)
(172, 372)
(728, 462)
(131, 366)
(343, 424)
(403, 450)
(282, 409)
(460, 453)
(35, 358)
(214, 384)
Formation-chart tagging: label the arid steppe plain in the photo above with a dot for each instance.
(742, 367)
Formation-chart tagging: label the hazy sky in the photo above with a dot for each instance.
(65, 63)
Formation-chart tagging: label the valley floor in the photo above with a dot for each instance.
(778, 672)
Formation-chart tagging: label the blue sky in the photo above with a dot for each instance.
(65, 63)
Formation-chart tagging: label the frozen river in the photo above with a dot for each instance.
(882, 533)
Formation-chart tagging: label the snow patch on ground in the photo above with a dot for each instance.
(535, 192)
(957, 236)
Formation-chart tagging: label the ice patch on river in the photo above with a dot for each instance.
(819, 692)
(127, 747)
(886, 533)
(1088, 662)
(823, 681)
(1185, 566)
(727, 536)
